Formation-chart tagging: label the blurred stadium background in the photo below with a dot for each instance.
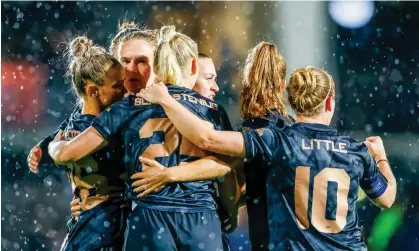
(371, 48)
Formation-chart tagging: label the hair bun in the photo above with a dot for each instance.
(302, 84)
(308, 78)
(311, 78)
(308, 88)
(80, 46)
(167, 33)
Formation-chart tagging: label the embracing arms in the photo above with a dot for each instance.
(193, 128)
(155, 176)
(88, 142)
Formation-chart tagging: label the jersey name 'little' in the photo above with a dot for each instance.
(317, 144)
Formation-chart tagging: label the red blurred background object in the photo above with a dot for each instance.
(23, 92)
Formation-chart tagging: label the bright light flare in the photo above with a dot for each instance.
(351, 15)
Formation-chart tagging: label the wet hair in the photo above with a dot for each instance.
(130, 30)
(87, 62)
(309, 89)
(263, 75)
(174, 50)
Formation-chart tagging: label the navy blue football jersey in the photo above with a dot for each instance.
(256, 171)
(97, 177)
(147, 132)
(312, 187)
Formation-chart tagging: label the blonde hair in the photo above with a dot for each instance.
(130, 30)
(87, 62)
(309, 89)
(263, 75)
(174, 50)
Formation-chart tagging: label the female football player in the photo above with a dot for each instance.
(262, 103)
(181, 215)
(315, 172)
(206, 84)
(134, 47)
(97, 181)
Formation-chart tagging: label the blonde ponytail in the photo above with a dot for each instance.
(263, 77)
(174, 51)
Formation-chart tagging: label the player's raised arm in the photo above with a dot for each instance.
(381, 191)
(196, 130)
(88, 142)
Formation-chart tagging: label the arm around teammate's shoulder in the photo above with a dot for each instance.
(388, 187)
(65, 152)
(198, 131)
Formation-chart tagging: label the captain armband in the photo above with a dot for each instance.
(375, 187)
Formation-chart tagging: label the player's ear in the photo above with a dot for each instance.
(194, 66)
(329, 106)
(283, 84)
(92, 90)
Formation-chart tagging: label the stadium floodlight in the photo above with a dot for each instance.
(351, 15)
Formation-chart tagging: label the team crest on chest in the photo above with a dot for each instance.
(260, 131)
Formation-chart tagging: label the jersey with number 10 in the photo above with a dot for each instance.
(312, 188)
(147, 132)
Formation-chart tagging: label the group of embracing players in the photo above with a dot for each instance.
(154, 163)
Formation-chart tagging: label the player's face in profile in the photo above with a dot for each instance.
(113, 88)
(137, 56)
(206, 84)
